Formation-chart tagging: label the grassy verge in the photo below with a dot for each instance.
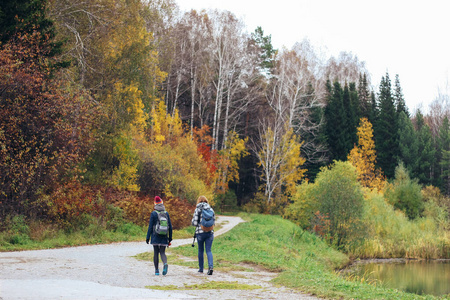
(46, 237)
(35, 235)
(303, 260)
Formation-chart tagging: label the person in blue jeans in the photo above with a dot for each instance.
(204, 238)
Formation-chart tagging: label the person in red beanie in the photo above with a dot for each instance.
(160, 232)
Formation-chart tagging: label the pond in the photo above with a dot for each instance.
(412, 276)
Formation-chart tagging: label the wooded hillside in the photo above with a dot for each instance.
(121, 99)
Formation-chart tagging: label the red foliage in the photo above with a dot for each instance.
(321, 225)
(71, 200)
(180, 212)
(44, 131)
(138, 208)
(204, 141)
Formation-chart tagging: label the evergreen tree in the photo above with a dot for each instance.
(28, 16)
(354, 102)
(373, 113)
(398, 98)
(444, 157)
(427, 152)
(408, 144)
(365, 102)
(335, 118)
(350, 120)
(267, 51)
(386, 129)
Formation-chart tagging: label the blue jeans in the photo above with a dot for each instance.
(205, 239)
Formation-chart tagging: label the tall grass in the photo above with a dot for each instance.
(392, 234)
(22, 235)
(303, 260)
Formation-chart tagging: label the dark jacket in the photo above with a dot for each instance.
(157, 239)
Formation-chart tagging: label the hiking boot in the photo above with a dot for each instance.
(166, 266)
(157, 272)
(210, 271)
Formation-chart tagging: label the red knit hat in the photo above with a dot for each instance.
(158, 200)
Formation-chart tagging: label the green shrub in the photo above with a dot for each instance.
(303, 207)
(227, 201)
(332, 206)
(130, 229)
(405, 193)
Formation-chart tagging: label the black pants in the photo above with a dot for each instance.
(157, 251)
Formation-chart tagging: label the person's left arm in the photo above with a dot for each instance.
(150, 227)
(170, 227)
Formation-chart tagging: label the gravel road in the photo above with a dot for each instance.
(110, 272)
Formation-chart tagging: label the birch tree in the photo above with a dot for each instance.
(278, 152)
(295, 93)
(199, 38)
(232, 72)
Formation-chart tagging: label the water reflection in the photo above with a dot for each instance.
(420, 277)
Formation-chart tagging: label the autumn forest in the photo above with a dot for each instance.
(106, 103)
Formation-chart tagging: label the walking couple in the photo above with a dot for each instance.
(160, 233)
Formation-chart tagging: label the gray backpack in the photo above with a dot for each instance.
(162, 225)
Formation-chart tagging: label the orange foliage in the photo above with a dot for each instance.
(72, 200)
(204, 141)
(180, 212)
(138, 208)
(321, 225)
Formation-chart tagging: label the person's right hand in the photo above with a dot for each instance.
(147, 240)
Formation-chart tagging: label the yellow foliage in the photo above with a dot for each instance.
(165, 128)
(281, 160)
(363, 157)
(124, 176)
(174, 156)
(228, 168)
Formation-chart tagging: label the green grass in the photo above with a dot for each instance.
(304, 261)
(50, 237)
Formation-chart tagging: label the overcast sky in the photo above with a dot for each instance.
(406, 37)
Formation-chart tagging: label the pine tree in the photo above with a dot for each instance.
(267, 51)
(426, 151)
(408, 144)
(354, 102)
(399, 99)
(336, 121)
(373, 113)
(386, 129)
(365, 103)
(27, 16)
(444, 148)
(350, 120)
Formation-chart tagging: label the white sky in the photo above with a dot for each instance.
(410, 38)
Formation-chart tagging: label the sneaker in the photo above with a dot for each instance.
(210, 271)
(156, 272)
(166, 266)
(200, 271)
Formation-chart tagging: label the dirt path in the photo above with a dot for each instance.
(110, 272)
